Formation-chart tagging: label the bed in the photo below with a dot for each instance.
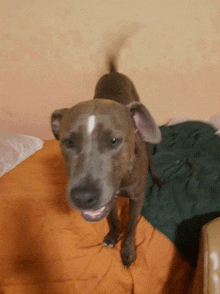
(46, 247)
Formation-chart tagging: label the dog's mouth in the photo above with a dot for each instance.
(96, 215)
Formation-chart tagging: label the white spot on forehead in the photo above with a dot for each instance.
(91, 124)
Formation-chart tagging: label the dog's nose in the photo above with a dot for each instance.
(85, 197)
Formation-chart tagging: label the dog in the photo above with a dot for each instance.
(105, 145)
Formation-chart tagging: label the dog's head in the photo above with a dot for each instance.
(97, 140)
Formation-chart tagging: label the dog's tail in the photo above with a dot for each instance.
(114, 44)
(111, 64)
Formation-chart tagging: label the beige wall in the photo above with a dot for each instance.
(53, 55)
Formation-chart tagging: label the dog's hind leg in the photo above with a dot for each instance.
(155, 178)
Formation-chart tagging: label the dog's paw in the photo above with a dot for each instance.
(111, 238)
(128, 254)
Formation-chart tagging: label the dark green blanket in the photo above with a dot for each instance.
(188, 163)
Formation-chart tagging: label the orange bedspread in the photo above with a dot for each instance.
(46, 247)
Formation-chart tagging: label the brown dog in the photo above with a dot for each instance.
(104, 142)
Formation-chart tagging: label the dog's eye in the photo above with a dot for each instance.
(68, 143)
(115, 142)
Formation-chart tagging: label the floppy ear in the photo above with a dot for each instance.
(144, 123)
(55, 121)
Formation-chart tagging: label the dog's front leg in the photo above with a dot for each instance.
(128, 251)
(112, 237)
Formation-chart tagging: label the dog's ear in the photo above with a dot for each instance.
(144, 123)
(55, 121)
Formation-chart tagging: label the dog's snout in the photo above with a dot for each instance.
(85, 197)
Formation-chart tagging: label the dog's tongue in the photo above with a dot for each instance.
(95, 215)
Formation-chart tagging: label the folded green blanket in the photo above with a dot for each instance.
(188, 163)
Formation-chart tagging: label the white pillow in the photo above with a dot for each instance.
(15, 148)
(213, 120)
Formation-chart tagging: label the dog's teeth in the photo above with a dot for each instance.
(96, 212)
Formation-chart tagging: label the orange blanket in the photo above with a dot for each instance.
(46, 247)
